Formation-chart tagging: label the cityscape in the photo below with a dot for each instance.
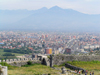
(51, 42)
(49, 37)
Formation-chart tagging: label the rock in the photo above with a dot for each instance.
(63, 70)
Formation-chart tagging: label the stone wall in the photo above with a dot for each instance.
(4, 70)
(60, 59)
(22, 61)
(45, 61)
(55, 60)
(73, 67)
(18, 60)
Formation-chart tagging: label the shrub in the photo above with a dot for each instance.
(29, 63)
(8, 54)
(15, 63)
(48, 57)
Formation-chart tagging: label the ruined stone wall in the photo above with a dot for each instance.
(24, 63)
(56, 60)
(73, 67)
(19, 62)
(60, 59)
(3, 70)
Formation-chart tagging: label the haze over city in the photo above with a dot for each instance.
(49, 37)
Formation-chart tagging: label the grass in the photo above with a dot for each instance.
(16, 54)
(2, 52)
(91, 66)
(32, 69)
(36, 69)
(8, 57)
(3, 57)
(87, 65)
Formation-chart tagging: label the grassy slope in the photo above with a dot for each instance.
(88, 65)
(33, 69)
(42, 69)
(30, 69)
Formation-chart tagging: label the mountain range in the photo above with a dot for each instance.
(54, 18)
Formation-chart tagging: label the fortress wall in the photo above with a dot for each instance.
(60, 59)
(55, 60)
(18, 60)
(24, 63)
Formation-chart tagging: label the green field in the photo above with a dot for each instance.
(8, 57)
(1, 52)
(16, 54)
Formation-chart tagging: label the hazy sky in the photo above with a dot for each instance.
(85, 6)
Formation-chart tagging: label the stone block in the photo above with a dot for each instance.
(30, 58)
(15, 60)
(3, 60)
(22, 59)
(7, 60)
(11, 60)
(26, 59)
(37, 58)
(0, 60)
(18, 60)
(34, 58)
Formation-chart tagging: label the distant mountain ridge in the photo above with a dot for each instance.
(54, 18)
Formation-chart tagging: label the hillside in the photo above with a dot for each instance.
(34, 69)
(54, 18)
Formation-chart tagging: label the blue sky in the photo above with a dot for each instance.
(84, 6)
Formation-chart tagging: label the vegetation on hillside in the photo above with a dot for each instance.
(18, 51)
(8, 55)
(36, 69)
(89, 65)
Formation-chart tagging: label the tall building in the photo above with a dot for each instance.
(67, 51)
(46, 36)
(48, 51)
(42, 36)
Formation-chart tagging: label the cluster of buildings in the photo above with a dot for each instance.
(50, 42)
